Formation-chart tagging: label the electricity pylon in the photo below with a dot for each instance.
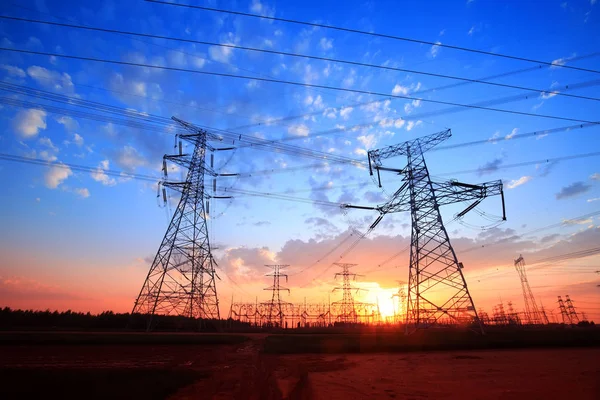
(532, 314)
(346, 305)
(181, 280)
(433, 262)
(276, 308)
(401, 295)
(571, 309)
(566, 318)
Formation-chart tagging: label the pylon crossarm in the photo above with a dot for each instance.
(455, 192)
(195, 131)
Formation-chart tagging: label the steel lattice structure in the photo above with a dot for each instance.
(433, 262)
(347, 311)
(571, 309)
(181, 280)
(532, 314)
(566, 317)
(276, 309)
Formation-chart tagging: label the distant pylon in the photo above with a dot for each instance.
(346, 305)
(571, 310)
(437, 289)
(276, 307)
(566, 318)
(401, 295)
(532, 314)
(181, 280)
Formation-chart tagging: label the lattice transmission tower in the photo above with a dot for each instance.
(276, 308)
(566, 317)
(346, 306)
(401, 295)
(571, 309)
(181, 280)
(433, 265)
(532, 314)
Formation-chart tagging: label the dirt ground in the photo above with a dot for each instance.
(243, 371)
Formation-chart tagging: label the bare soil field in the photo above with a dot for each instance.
(197, 367)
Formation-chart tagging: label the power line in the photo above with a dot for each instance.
(350, 30)
(293, 83)
(556, 91)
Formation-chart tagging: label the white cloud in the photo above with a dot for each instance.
(13, 71)
(409, 107)
(360, 152)
(223, 54)
(595, 176)
(252, 84)
(399, 123)
(100, 176)
(83, 192)
(349, 79)
(57, 175)
(412, 124)
(368, 141)
(435, 49)
(262, 9)
(77, 139)
(511, 134)
(129, 158)
(400, 90)
(330, 113)
(69, 123)
(442, 32)
(48, 143)
(471, 31)
(594, 199)
(177, 58)
(299, 130)
(558, 62)
(28, 123)
(326, 44)
(345, 112)
(521, 181)
(52, 79)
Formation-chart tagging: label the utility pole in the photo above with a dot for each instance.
(346, 305)
(181, 280)
(533, 315)
(571, 310)
(276, 307)
(437, 289)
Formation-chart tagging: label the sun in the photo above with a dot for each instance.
(386, 307)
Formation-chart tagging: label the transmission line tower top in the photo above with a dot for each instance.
(415, 146)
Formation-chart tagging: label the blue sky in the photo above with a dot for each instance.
(87, 237)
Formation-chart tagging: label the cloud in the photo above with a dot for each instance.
(326, 44)
(368, 141)
(595, 176)
(412, 124)
(29, 122)
(489, 167)
(223, 54)
(511, 134)
(558, 62)
(521, 181)
(259, 8)
(100, 176)
(594, 199)
(57, 175)
(471, 31)
(52, 79)
(400, 90)
(572, 190)
(129, 158)
(13, 71)
(78, 140)
(299, 130)
(577, 221)
(69, 123)
(435, 49)
(261, 223)
(409, 107)
(83, 192)
(345, 112)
